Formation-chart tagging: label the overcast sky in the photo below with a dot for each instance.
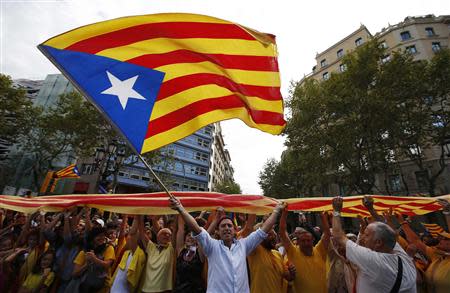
(302, 28)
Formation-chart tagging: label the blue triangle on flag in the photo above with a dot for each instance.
(125, 92)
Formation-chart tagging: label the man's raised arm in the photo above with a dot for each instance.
(188, 219)
(268, 224)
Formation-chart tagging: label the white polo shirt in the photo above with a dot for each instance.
(377, 271)
(227, 267)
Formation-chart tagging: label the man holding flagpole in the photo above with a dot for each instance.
(227, 267)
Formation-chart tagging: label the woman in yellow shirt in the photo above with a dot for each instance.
(41, 277)
(95, 264)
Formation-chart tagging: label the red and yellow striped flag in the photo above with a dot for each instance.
(158, 203)
(434, 229)
(181, 72)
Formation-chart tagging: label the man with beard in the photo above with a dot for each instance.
(267, 268)
(383, 266)
(308, 259)
(227, 269)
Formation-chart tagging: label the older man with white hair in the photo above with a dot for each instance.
(383, 266)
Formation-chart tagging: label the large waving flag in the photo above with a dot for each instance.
(161, 77)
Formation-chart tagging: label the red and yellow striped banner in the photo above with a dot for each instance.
(158, 204)
(433, 229)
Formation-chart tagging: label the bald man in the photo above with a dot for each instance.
(158, 271)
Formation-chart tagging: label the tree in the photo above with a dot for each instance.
(16, 111)
(365, 121)
(228, 187)
(73, 128)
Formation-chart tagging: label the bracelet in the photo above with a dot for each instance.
(446, 213)
(336, 214)
(404, 222)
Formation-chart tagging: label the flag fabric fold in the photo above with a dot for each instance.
(158, 203)
(159, 78)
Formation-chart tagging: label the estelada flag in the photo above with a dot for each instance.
(159, 78)
(70, 171)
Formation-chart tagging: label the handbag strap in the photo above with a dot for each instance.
(398, 280)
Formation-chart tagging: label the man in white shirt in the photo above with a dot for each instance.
(227, 269)
(378, 261)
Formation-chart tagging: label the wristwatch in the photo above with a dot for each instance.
(336, 214)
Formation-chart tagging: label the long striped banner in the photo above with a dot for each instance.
(158, 204)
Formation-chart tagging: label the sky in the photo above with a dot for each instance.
(302, 29)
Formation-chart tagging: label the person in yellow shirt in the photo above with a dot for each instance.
(41, 277)
(95, 264)
(437, 275)
(128, 272)
(159, 269)
(309, 260)
(268, 271)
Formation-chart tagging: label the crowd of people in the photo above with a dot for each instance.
(88, 250)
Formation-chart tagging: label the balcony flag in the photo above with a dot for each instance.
(159, 78)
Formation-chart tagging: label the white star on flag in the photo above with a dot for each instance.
(123, 89)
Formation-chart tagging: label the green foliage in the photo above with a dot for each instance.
(72, 127)
(16, 111)
(228, 187)
(362, 123)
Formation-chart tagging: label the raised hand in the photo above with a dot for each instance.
(368, 202)
(445, 204)
(175, 204)
(337, 203)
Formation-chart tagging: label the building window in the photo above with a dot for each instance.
(395, 182)
(342, 67)
(386, 58)
(422, 180)
(323, 63)
(326, 76)
(411, 49)
(147, 179)
(202, 142)
(134, 176)
(86, 169)
(123, 174)
(429, 31)
(436, 46)
(383, 45)
(358, 42)
(405, 35)
(340, 53)
(201, 156)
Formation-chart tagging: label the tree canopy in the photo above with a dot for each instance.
(362, 123)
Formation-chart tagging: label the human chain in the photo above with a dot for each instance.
(89, 250)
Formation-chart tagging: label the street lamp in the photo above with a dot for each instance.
(108, 161)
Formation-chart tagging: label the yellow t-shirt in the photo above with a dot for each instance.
(31, 260)
(159, 268)
(33, 280)
(108, 254)
(266, 271)
(438, 273)
(135, 268)
(311, 273)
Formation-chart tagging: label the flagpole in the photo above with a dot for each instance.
(156, 176)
